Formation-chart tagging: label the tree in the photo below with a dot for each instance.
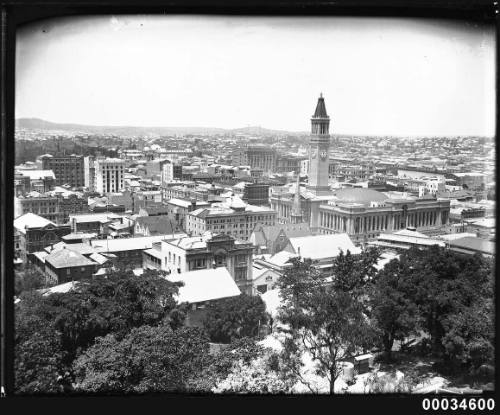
(256, 376)
(148, 359)
(37, 352)
(234, 318)
(352, 273)
(393, 311)
(445, 283)
(28, 279)
(325, 322)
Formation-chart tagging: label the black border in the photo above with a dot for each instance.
(14, 15)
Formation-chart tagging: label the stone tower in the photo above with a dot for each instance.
(319, 150)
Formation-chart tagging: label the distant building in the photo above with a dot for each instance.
(154, 225)
(153, 209)
(109, 175)
(65, 265)
(67, 169)
(179, 208)
(41, 181)
(405, 239)
(321, 249)
(261, 157)
(54, 208)
(472, 245)
(33, 233)
(177, 256)
(233, 217)
(273, 239)
(256, 194)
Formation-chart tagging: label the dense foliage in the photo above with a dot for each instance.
(148, 359)
(234, 318)
(126, 333)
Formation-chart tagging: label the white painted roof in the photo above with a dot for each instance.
(205, 285)
(127, 244)
(38, 174)
(323, 246)
(61, 288)
(30, 220)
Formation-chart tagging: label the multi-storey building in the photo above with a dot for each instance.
(256, 194)
(67, 169)
(34, 233)
(54, 208)
(89, 173)
(186, 254)
(233, 217)
(109, 175)
(41, 181)
(260, 157)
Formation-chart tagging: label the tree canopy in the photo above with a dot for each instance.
(234, 318)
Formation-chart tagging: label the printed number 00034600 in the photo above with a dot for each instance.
(454, 404)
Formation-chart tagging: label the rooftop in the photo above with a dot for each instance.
(65, 258)
(30, 220)
(205, 285)
(360, 195)
(323, 246)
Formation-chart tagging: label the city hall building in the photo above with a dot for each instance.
(362, 213)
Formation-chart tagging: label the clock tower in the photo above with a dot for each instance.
(319, 150)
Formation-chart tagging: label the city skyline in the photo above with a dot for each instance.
(446, 78)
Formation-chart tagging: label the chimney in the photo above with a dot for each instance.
(298, 250)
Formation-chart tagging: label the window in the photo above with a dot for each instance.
(241, 274)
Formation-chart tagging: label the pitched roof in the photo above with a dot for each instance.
(65, 258)
(158, 225)
(323, 246)
(205, 285)
(30, 220)
(474, 244)
(320, 108)
(291, 230)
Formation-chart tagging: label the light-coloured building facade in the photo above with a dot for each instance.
(186, 254)
(231, 218)
(109, 175)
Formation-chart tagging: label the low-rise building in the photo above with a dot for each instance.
(203, 252)
(154, 225)
(65, 265)
(34, 233)
(273, 239)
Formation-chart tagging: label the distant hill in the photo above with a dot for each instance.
(39, 124)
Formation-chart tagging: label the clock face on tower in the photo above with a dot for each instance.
(323, 154)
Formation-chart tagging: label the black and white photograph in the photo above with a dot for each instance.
(229, 204)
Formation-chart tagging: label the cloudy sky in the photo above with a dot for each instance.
(378, 76)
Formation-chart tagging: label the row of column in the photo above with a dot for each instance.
(362, 224)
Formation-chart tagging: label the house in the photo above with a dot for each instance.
(201, 288)
(33, 233)
(153, 209)
(65, 265)
(154, 225)
(264, 278)
(273, 239)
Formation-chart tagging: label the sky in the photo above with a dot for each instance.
(379, 76)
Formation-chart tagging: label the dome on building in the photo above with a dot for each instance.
(360, 195)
